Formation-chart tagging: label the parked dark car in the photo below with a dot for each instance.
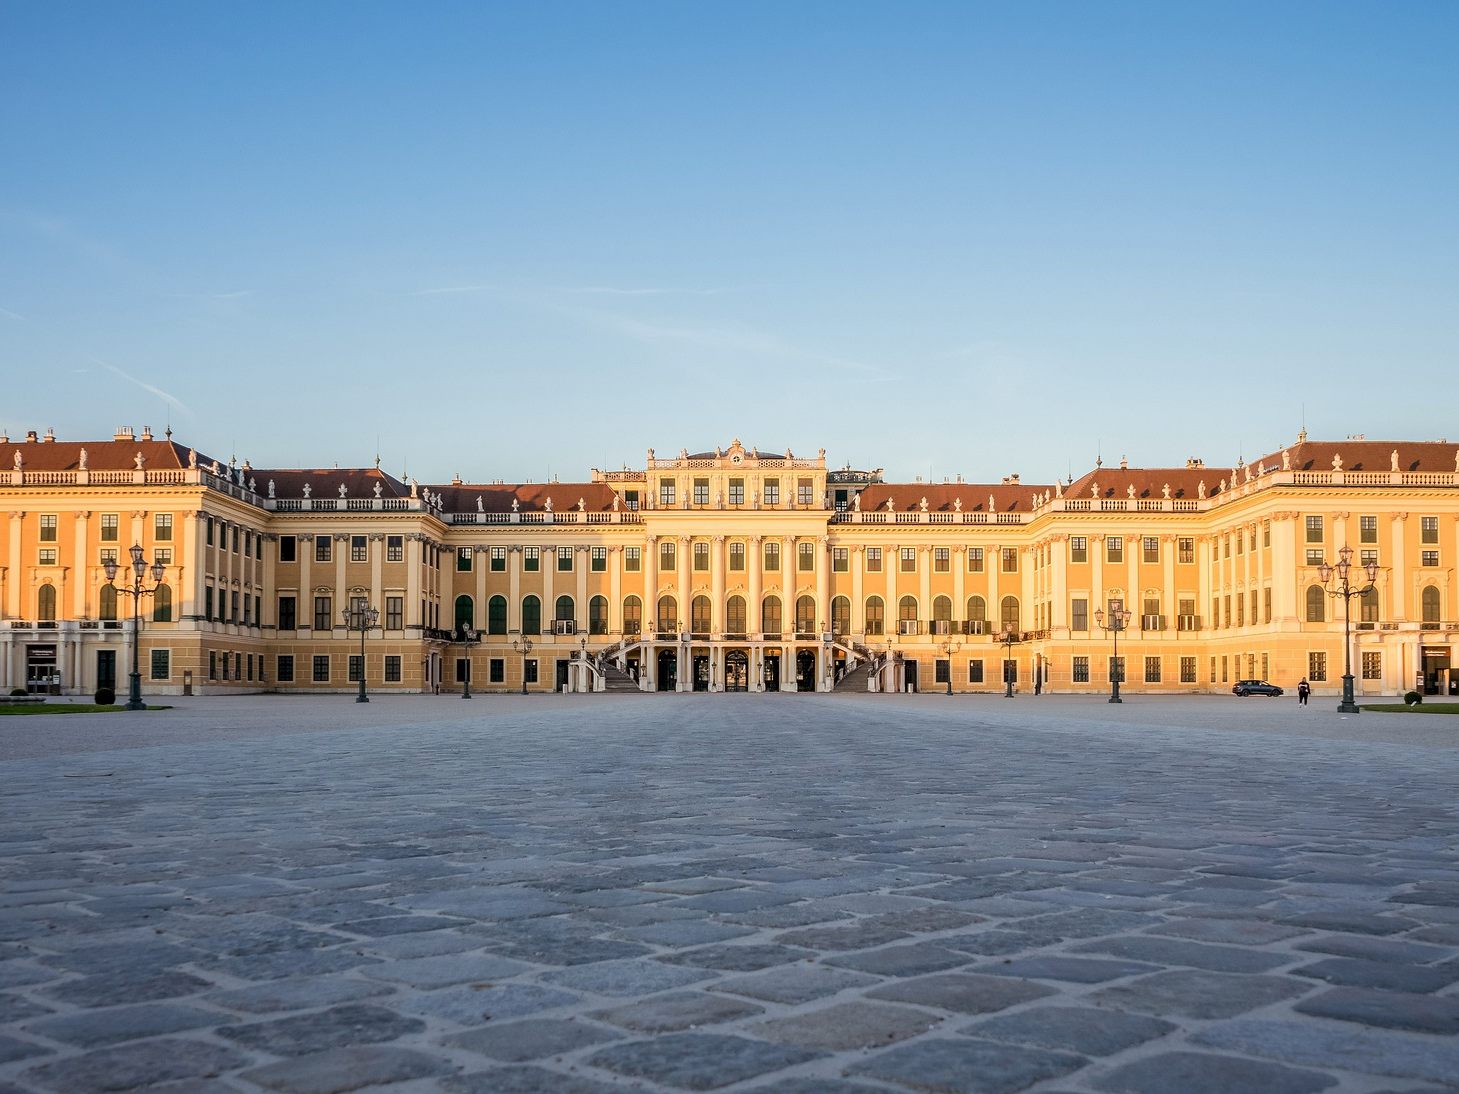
(1255, 687)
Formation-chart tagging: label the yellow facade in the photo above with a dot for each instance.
(726, 570)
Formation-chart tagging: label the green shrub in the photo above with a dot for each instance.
(105, 697)
(18, 691)
(1412, 699)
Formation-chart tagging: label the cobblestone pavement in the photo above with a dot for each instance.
(804, 894)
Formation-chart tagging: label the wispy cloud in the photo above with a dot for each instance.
(168, 398)
(230, 295)
(454, 289)
(610, 290)
(12, 315)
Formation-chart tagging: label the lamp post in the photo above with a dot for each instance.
(468, 638)
(949, 646)
(136, 591)
(360, 617)
(1119, 619)
(1337, 581)
(524, 647)
(1008, 637)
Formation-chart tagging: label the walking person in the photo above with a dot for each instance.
(1304, 689)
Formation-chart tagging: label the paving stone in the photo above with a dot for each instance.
(739, 958)
(936, 918)
(12, 1049)
(677, 1011)
(967, 1066)
(814, 1086)
(425, 944)
(633, 977)
(1389, 1009)
(1354, 922)
(966, 993)
(1387, 975)
(488, 903)
(1195, 954)
(526, 1080)
(789, 915)
(300, 1035)
(1240, 932)
(699, 1061)
(798, 983)
(1077, 970)
(532, 1038)
(304, 993)
(337, 1070)
(281, 963)
(910, 960)
(844, 1026)
(129, 958)
(860, 935)
(1087, 1031)
(686, 933)
(14, 1008)
(736, 900)
(1198, 994)
(439, 972)
(473, 1005)
(116, 988)
(113, 1024)
(144, 1063)
(993, 943)
(1206, 1073)
(1382, 1052)
(1375, 949)
(397, 924)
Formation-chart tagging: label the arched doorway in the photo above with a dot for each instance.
(736, 671)
(668, 670)
(805, 670)
(700, 664)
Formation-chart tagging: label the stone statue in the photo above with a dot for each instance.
(1165, 491)
(271, 488)
(343, 489)
(856, 498)
(82, 464)
(414, 488)
(377, 488)
(1286, 460)
(1094, 490)
(582, 506)
(1456, 461)
(1392, 460)
(1058, 488)
(19, 460)
(479, 507)
(252, 485)
(957, 505)
(1337, 461)
(215, 470)
(923, 504)
(308, 489)
(139, 461)
(891, 505)
(515, 505)
(1246, 471)
(615, 502)
(822, 454)
(1223, 486)
(788, 455)
(1201, 489)
(192, 457)
(1130, 491)
(650, 455)
(547, 505)
(992, 505)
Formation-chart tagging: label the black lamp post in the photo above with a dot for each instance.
(1008, 637)
(136, 591)
(949, 646)
(1337, 580)
(1119, 620)
(468, 638)
(361, 617)
(524, 646)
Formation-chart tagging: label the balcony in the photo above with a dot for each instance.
(975, 626)
(909, 626)
(1187, 622)
(1152, 622)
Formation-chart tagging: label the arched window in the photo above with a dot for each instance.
(564, 611)
(531, 615)
(1316, 603)
(598, 615)
(162, 604)
(465, 613)
(1368, 605)
(45, 603)
(734, 615)
(107, 608)
(805, 615)
(875, 615)
(907, 614)
(770, 615)
(840, 616)
(942, 615)
(977, 615)
(632, 615)
(699, 615)
(1430, 603)
(496, 615)
(668, 615)
(1009, 608)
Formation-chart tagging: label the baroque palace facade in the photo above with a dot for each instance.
(730, 570)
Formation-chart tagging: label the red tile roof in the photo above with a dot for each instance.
(100, 455)
(325, 482)
(1367, 455)
(531, 497)
(943, 496)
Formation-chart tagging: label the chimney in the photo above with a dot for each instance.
(124, 433)
(50, 437)
(146, 433)
(30, 436)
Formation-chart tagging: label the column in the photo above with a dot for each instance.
(924, 586)
(648, 657)
(13, 582)
(1284, 569)
(787, 609)
(1134, 597)
(994, 568)
(1398, 600)
(305, 608)
(959, 563)
(580, 562)
(753, 621)
(823, 612)
(481, 559)
(686, 553)
(716, 585)
(514, 588)
(1059, 586)
(1205, 588)
(412, 582)
(1260, 573)
(889, 564)
(615, 590)
(270, 594)
(82, 571)
(1169, 595)
(547, 559)
(857, 559)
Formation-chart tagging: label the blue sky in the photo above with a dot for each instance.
(522, 240)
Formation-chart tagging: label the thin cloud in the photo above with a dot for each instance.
(454, 289)
(12, 315)
(168, 398)
(610, 290)
(230, 295)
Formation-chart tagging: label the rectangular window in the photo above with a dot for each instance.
(208, 603)
(666, 556)
(772, 491)
(1372, 666)
(498, 560)
(1078, 549)
(162, 555)
(531, 560)
(633, 559)
(353, 668)
(736, 556)
(323, 613)
(1117, 669)
(630, 499)
(323, 548)
(48, 527)
(1150, 546)
(1367, 529)
(1314, 556)
(1079, 614)
(598, 560)
(321, 668)
(392, 669)
(941, 560)
(1316, 667)
(737, 491)
(564, 560)
(464, 557)
(1010, 560)
(1429, 558)
(288, 549)
(772, 556)
(1428, 530)
(162, 526)
(496, 671)
(1226, 609)
(284, 668)
(109, 528)
(210, 531)
(701, 558)
(701, 491)
(1152, 670)
(1240, 543)
(235, 545)
(213, 665)
(1314, 529)
(975, 560)
(288, 613)
(161, 664)
(359, 549)
(805, 492)
(666, 492)
(1187, 670)
(394, 548)
(909, 560)
(805, 554)
(840, 560)
(941, 670)
(1266, 603)
(1185, 548)
(463, 669)
(395, 613)
(233, 615)
(529, 670)
(46, 556)
(107, 554)
(873, 560)
(1114, 548)
(1240, 610)
(1081, 670)
(1368, 555)
(975, 672)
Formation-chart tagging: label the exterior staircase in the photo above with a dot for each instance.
(856, 679)
(615, 679)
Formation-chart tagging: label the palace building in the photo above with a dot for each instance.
(735, 569)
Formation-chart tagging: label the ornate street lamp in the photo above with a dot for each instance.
(136, 591)
(1337, 581)
(1119, 620)
(468, 638)
(360, 617)
(949, 646)
(1008, 637)
(524, 647)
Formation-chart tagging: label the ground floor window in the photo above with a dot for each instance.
(161, 664)
(284, 669)
(1081, 670)
(392, 669)
(941, 670)
(321, 669)
(1224, 677)
(463, 669)
(529, 670)
(1152, 670)
(212, 664)
(355, 667)
(250, 667)
(1372, 666)
(1316, 667)
(1187, 670)
(1117, 669)
(496, 670)
(975, 672)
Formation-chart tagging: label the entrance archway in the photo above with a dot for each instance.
(668, 670)
(805, 670)
(736, 671)
(701, 671)
(770, 674)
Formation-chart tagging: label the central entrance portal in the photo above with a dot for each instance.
(668, 670)
(771, 673)
(736, 671)
(805, 670)
(701, 672)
